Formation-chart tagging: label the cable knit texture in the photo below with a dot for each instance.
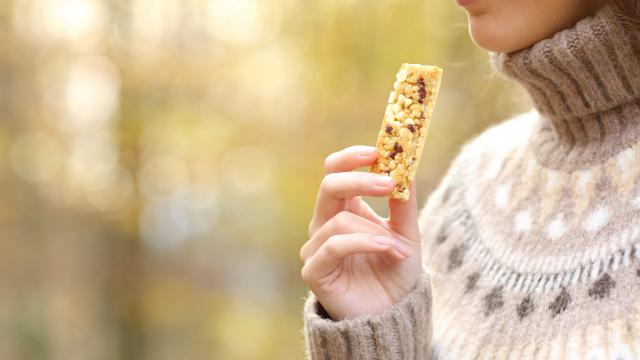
(401, 332)
(533, 235)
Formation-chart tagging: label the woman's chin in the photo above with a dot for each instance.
(492, 38)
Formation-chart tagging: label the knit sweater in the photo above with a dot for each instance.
(531, 242)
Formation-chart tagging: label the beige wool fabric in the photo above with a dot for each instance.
(533, 236)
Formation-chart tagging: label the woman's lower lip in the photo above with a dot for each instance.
(464, 2)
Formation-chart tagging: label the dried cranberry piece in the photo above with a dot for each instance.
(422, 92)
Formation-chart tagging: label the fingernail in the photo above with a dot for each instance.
(383, 240)
(383, 181)
(402, 248)
(367, 151)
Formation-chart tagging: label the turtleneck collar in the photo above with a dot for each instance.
(585, 81)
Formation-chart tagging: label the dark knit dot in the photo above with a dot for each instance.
(612, 260)
(456, 256)
(525, 307)
(560, 303)
(472, 280)
(493, 300)
(602, 287)
(638, 272)
(442, 236)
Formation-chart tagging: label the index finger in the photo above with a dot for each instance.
(350, 158)
(336, 188)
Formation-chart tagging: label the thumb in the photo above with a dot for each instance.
(403, 215)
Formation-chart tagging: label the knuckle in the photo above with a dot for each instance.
(344, 219)
(340, 222)
(332, 247)
(304, 274)
(327, 183)
(302, 253)
(329, 160)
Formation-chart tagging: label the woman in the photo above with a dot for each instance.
(530, 246)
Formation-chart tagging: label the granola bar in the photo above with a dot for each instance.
(405, 124)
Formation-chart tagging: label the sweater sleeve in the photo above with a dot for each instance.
(403, 331)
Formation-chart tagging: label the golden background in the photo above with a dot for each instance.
(159, 160)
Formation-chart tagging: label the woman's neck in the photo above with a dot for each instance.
(585, 82)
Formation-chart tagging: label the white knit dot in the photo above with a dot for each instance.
(493, 169)
(583, 179)
(574, 346)
(502, 195)
(553, 178)
(636, 202)
(624, 159)
(523, 221)
(556, 348)
(597, 219)
(595, 352)
(556, 228)
(620, 351)
(594, 344)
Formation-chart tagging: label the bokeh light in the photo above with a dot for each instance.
(92, 93)
(81, 24)
(244, 22)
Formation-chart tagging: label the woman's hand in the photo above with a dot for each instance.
(355, 262)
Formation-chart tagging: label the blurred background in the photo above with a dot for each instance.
(159, 160)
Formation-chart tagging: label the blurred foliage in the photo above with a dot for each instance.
(159, 160)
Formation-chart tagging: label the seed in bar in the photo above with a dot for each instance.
(405, 125)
